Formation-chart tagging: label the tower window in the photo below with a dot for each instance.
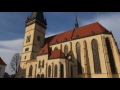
(27, 49)
(25, 57)
(28, 39)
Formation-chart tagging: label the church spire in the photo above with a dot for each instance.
(38, 17)
(76, 23)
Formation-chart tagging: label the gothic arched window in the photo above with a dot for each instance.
(42, 76)
(39, 65)
(66, 50)
(56, 48)
(71, 71)
(43, 64)
(96, 58)
(110, 55)
(55, 72)
(70, 45)
(49, 71)
(61, 71)
(86, 57)
(79, 67)
(30, 71)
(38, 76)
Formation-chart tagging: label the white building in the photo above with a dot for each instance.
(2, 68)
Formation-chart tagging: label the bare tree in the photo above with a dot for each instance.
(14, 64)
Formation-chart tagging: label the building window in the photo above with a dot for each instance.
(38, 76)
(49, 71)
(30, 71)
(25, 57)
(65, 39)
(61, 71)
(43, 64)
(71, 71)
(55, 72)
(57, 41)
(28, 39)
(27, 49)
(39, 65)
(110, 55)
(66, 50)
(86, 57)
(96, 58)
(79, 67)
(42, 76)
(56, 48)
(77, 36)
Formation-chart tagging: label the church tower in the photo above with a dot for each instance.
(34, 36)
(33, 40)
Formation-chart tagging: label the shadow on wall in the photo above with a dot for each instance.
(79, 68)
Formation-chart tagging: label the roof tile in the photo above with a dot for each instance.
(57, 54)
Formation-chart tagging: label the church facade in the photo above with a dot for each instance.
(88, 51)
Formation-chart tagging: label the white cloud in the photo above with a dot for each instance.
(8, 49)
(12, 44)
(48, 34)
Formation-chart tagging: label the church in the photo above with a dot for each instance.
(88, 51)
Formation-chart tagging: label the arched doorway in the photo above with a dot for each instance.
(38, 76)
(42, 76)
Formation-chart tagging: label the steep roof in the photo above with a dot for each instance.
(81, 32)
(62, 37)
(2, 62)
(89, 30)
(57, 54)
(44, 50)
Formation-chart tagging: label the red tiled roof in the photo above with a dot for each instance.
(57, 54)
(44, 50)
(48, 39)
(84, 31)
(88, 30)
(2, 62)
(81, 32)
(62, 37)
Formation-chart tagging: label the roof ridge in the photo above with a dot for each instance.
(100, 26)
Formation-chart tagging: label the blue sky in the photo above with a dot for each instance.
(12, 27)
